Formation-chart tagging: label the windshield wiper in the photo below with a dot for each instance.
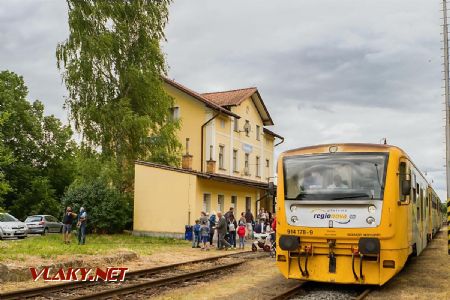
(353, 196)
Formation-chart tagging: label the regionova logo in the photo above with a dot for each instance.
(339, 216)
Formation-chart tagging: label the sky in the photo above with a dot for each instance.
(328, 71)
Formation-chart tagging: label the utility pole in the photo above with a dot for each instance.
(447, 115)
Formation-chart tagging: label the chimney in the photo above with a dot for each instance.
(186, 162)
(210, 164)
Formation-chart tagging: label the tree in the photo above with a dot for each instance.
(41, 147)
(95, 188)
(5, 160)
(112, 70)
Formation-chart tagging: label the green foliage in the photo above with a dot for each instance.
(108, 210)
(5, 160)
(112, 70)
(41, 148)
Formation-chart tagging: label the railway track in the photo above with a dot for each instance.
(313, 290)
(135, 282)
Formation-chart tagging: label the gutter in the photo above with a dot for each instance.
(281, 142)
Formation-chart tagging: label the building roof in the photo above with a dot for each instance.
(207, 102)
(229, 98)
(236, 97)
(265, 130)
(212, 176)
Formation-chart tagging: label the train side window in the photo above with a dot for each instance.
(404, 183)
(421, 204)
(414, 195)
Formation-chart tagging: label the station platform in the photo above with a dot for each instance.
(424, 277)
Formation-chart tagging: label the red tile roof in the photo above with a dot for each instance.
(199, 97)
(236, 97)
(233, 97)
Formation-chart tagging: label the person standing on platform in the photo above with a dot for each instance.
(212, 224)
(232, 226)
(222, 231)
(249, 220)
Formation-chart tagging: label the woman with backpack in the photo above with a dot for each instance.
(232, 225)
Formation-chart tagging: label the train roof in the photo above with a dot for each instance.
(380, 147)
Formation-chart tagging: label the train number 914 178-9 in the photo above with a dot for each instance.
(300, 232)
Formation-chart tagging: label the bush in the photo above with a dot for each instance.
(108, 210)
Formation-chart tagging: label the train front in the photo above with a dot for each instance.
(334, 222)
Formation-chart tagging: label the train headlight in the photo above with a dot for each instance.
(370, 220)
(372, 208)
(293, 208)
(294, 219)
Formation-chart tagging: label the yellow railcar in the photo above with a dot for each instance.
(351, 213)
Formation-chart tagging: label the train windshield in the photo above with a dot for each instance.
(335, 176)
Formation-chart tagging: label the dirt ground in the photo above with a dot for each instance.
(257, 279)
(423, 277)
(168, 256)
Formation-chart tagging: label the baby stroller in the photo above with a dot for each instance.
(266, 243)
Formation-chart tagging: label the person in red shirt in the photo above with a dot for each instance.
(241, 234)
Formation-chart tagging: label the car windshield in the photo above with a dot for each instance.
(33, 219)
(4, 217)
(335, 176)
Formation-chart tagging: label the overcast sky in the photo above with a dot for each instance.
(328, 71)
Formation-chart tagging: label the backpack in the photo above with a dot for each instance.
(197, 228)
(241, 231)
(231, 227)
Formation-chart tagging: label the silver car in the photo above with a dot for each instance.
(10, 227)
(43, 224)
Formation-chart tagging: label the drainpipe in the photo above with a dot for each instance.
(282, 140)
(201, 150)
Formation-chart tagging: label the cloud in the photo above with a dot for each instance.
(328, 71)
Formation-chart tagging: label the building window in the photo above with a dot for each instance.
(236, 124)
(222, 123)
(234, 202)
(258, 133)
(267, 163)
(175, 113)
(257, 167)
(220, 203)
(246, 168)
(221, 153)
(247, 127)
(235, 162)
(206, 202)
(248, 203)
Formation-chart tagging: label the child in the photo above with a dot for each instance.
(196, 237)
(241, 234)
(204, 234)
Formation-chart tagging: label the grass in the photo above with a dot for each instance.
(50, 246)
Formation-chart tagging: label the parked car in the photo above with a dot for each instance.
(43, 224)
(11, 227)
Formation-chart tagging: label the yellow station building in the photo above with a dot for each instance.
(227, 162)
